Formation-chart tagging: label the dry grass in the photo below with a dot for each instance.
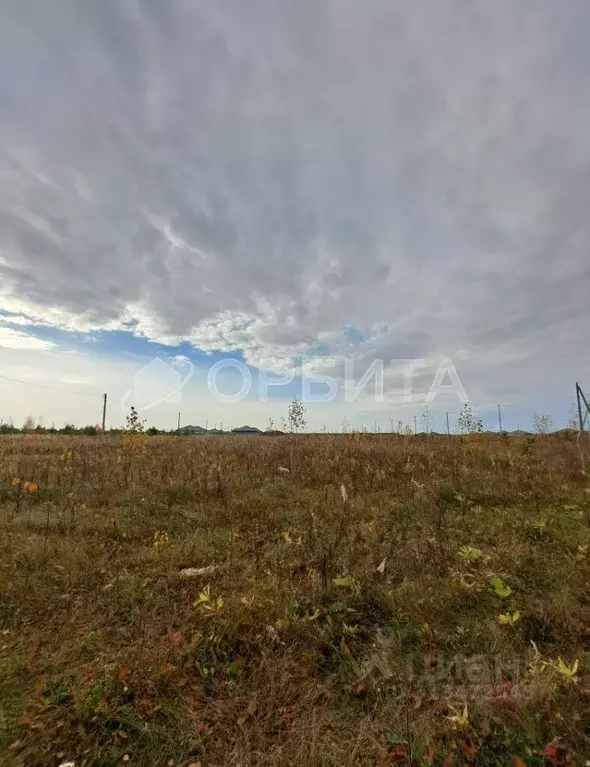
(296, 650)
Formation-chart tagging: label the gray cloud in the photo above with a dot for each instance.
(261, 175)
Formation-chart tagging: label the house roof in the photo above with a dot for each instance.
(251, 429)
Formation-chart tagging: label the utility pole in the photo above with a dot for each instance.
(581, 398)
(179, 422)
(448, 427)
(104, 412)
(415, 425)
(500, 418)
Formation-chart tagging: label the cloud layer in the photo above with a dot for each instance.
(261, 177)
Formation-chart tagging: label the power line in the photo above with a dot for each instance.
(50, 388)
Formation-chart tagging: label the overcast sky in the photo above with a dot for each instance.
(271, 179)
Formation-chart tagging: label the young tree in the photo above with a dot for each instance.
(467, 422)
(134, 423)
(427, 419)
(296, 415)
(29, 423)
(543, 423)
(573, 421)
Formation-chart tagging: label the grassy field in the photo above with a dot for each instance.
(370, 600)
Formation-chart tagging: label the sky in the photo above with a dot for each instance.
(302, 188)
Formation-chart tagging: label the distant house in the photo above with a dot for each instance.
(192, 430)
(246, 430)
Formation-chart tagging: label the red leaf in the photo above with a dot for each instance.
(550, 751)
(39, 685)
(174, 637)
(122, 673)
(467, 750)
(399, 752)
(33, 653)
(507, 701)
(26, 720)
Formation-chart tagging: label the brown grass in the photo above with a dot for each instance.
(299, 652)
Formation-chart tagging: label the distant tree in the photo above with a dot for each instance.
(134, 423)
(296, 415)
(543, 423)
(467, 421)
(152, 431)
(271, 424)
(427, 419)
(573, 421)
(29, 423)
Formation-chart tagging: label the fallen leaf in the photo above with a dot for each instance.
(174, 637)
(39, 685)
(344, 581)
(381, 568)
(33, 653)
(517, 761)
(122, 673)
(467, 750)
(25, 720)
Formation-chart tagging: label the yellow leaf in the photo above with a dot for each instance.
(460, 719)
